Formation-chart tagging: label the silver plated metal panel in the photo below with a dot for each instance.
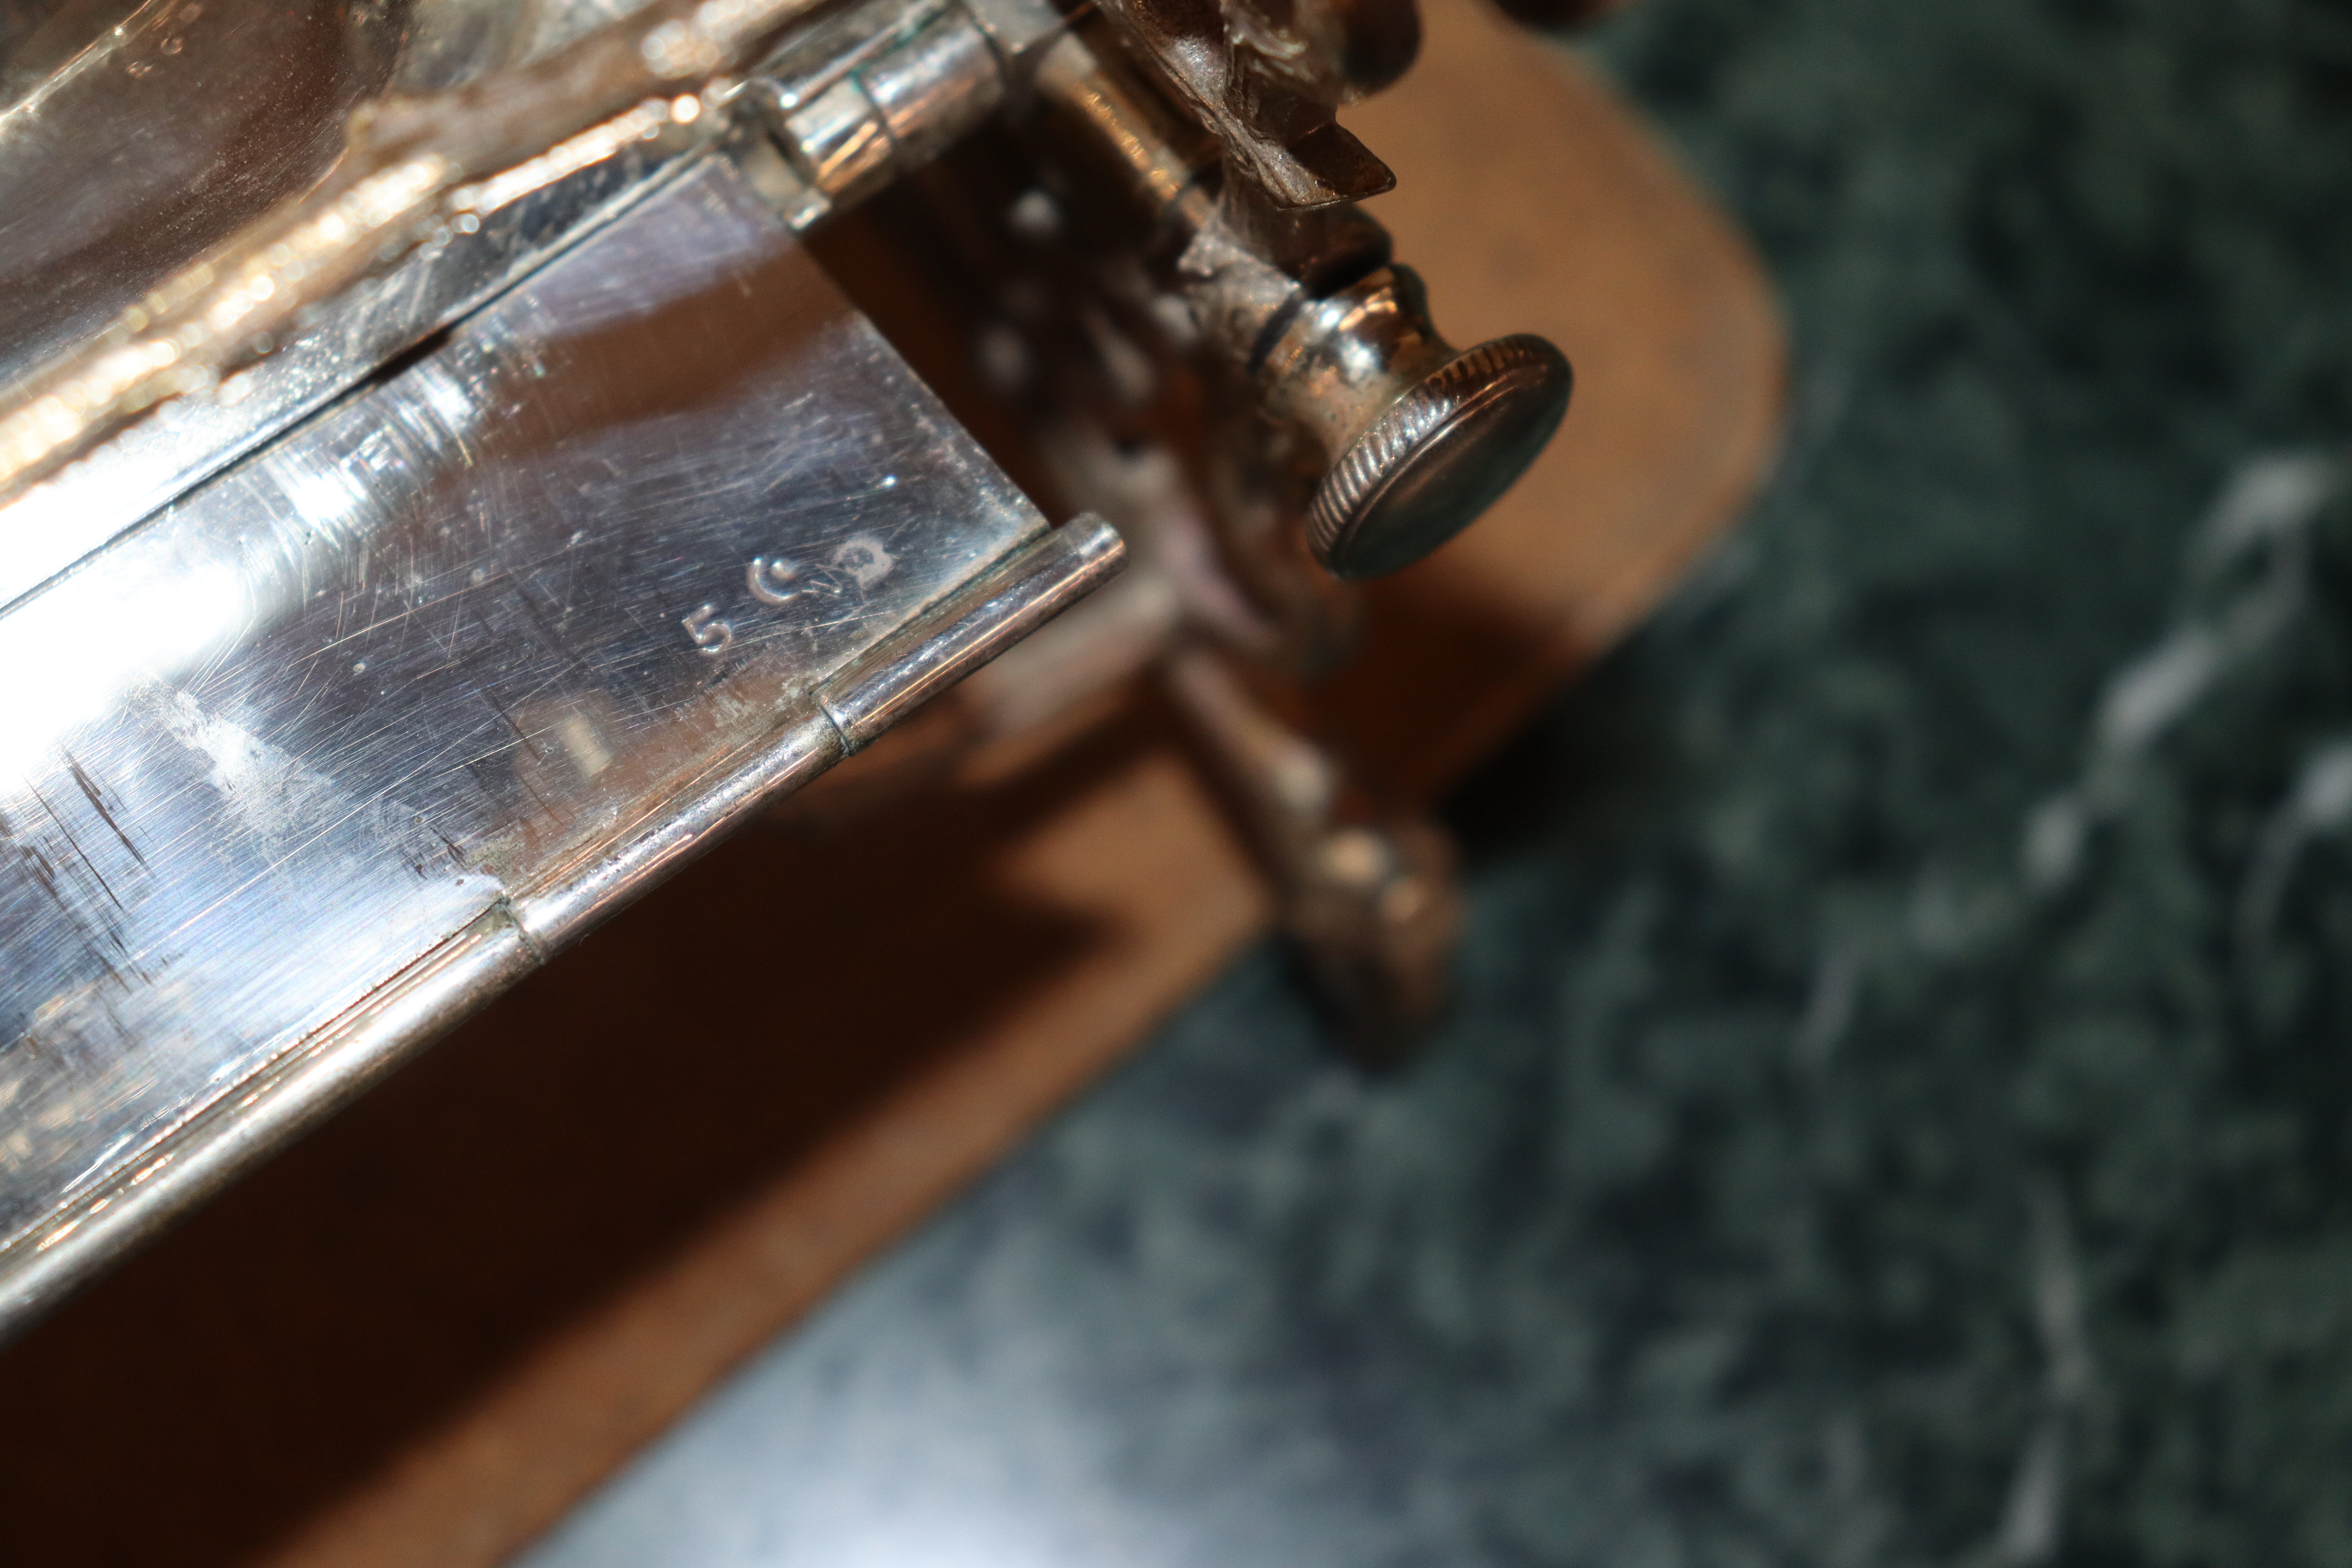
(55, 524)
(349, 735)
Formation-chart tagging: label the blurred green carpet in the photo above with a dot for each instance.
(1900, 1107)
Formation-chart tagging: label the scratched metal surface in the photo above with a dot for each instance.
(417, 666)
(55, 524)
(135, 137)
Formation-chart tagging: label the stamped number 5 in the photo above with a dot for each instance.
(712, 635)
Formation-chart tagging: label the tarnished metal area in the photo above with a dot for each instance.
(348, 736)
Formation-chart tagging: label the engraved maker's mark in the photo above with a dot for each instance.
(708, 632)
(862, 556)
(774, 582)
(857, 564)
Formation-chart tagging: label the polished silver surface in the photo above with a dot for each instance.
(50, 526)
(406, 168)
(987, 616)
(343, 688)
(133, 138)
(887, 85)
(354, 733)
(874, 91)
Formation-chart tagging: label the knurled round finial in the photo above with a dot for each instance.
(1438, 457)
(1420, 437)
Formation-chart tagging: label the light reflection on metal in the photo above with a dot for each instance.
(399, 176)
(395, 694)
(51, 526)
(592, 146)
(916, 77)
(359, 729)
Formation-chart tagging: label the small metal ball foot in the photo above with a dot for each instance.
(1371, 904)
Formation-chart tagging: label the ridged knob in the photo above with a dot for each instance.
(1421, 439)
